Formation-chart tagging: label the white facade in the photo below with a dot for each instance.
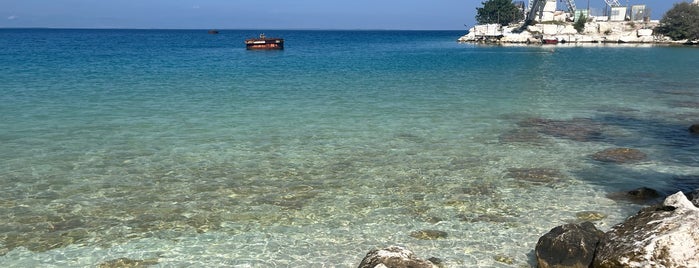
(638, 12)
(618, 14)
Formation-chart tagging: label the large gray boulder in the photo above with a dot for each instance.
(570, 245)
(394, 257)
(666, 235)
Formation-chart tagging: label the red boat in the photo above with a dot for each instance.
(549, 41)
(264, 43)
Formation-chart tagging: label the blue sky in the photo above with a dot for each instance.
(258, 14)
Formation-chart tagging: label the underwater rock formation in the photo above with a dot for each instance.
(639, 195)
(429, 234)
(620, 155)
(694, 129)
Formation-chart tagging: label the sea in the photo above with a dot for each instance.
(179, 148)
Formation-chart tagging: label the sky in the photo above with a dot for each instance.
(259, 14)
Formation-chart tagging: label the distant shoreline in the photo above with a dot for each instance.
(603, 32)
(226, 29)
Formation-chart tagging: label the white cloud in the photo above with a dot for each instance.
(13, 17)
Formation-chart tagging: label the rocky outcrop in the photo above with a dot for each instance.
(620, 155)
(570, 245)
(594, 32)
(694, 129)
(394, 257)
(666, 235)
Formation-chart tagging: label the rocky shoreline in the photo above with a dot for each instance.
(662, 235)
(659, 235)
(595, 32)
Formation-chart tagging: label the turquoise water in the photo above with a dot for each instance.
(181, 148)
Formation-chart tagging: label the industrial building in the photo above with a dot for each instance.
(548, 10)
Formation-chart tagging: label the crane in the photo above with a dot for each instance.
(537, 6)
(612, 3)
(571, 6)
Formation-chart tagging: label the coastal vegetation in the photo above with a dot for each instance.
(579, 24)
(501, 12)
(681, 22)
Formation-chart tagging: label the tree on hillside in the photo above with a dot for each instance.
(579, 24)
(498, 11)
(680, 22)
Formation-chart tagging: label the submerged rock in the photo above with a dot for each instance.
(570, 245)
(694, 129)
(429, 234)
(522, 135)
(394, 257)
(535, 175)
(577, 129)
(126, 262)
(666, 235)
(620, 155)
(504, 259)
(639, 196)
(590, 216)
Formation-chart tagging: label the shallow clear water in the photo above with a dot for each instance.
(181, 148)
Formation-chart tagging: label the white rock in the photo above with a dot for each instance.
(654, 238)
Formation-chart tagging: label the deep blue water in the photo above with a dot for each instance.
(183, 148)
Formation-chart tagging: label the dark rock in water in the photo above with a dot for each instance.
(429, 234)
(577, 129)
(570, 245)
(437, 261)
(620, 155)
(394, 257)
(665, 235)
(536, 175)
(126, 262)
(694, 129)
(639, 196)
